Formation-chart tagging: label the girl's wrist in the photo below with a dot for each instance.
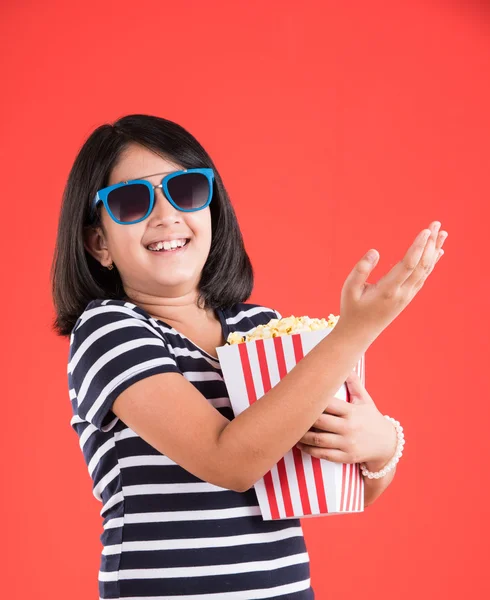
(378, 463)
(374, 469)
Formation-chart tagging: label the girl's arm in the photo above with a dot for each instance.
(169, 413)
(373, 488)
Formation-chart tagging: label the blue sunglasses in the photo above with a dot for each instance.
(132, 201)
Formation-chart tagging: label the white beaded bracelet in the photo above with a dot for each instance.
(398, 452)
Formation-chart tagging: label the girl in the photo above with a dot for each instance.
(150, 275)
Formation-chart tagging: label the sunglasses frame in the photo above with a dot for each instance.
(103, 194)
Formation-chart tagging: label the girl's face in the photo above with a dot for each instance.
(145, 272)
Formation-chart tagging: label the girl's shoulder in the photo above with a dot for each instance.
(100, 311)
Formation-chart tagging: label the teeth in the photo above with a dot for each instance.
(167, 245)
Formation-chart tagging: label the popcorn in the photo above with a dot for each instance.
(284, 326)
(234, 338)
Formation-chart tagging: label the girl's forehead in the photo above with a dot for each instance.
(158, 175)
(138, 162)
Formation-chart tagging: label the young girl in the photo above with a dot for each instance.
(150, 275)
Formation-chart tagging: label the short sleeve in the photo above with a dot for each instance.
(111, 347)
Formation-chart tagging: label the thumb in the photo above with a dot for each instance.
(358, 393)
(357, 277)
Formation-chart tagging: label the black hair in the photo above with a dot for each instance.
(78, 278)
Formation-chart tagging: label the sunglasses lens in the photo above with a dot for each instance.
(129, 202)
(189, 190)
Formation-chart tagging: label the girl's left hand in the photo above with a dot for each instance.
(352, 432)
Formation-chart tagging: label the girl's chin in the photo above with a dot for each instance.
(163, 280)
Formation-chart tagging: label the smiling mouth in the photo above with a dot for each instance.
(161, 249)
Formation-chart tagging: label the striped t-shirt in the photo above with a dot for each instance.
(167, 533)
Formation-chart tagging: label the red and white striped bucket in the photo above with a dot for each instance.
(299, 485)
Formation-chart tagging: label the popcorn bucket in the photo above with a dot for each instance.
(299, 485)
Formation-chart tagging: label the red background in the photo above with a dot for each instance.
(336, 127)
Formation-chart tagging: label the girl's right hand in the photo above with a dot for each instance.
(370, 307)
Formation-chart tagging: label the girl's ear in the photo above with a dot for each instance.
(95, 243)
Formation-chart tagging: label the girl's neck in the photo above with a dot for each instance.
(182, 313)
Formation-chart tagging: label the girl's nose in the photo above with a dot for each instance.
(163, 209)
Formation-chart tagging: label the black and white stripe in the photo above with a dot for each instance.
(167, 533)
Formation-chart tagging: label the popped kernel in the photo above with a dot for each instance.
(284, 326)
(235, 338)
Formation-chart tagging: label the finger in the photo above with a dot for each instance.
(356, 390)
(354, 384)
(355, 282)
(441, 238)
(324, 440)
(354, 377)
(421, 282)
(403, 269)
(426, 262)
(331, 423)
(338, 407)
(331, 454)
